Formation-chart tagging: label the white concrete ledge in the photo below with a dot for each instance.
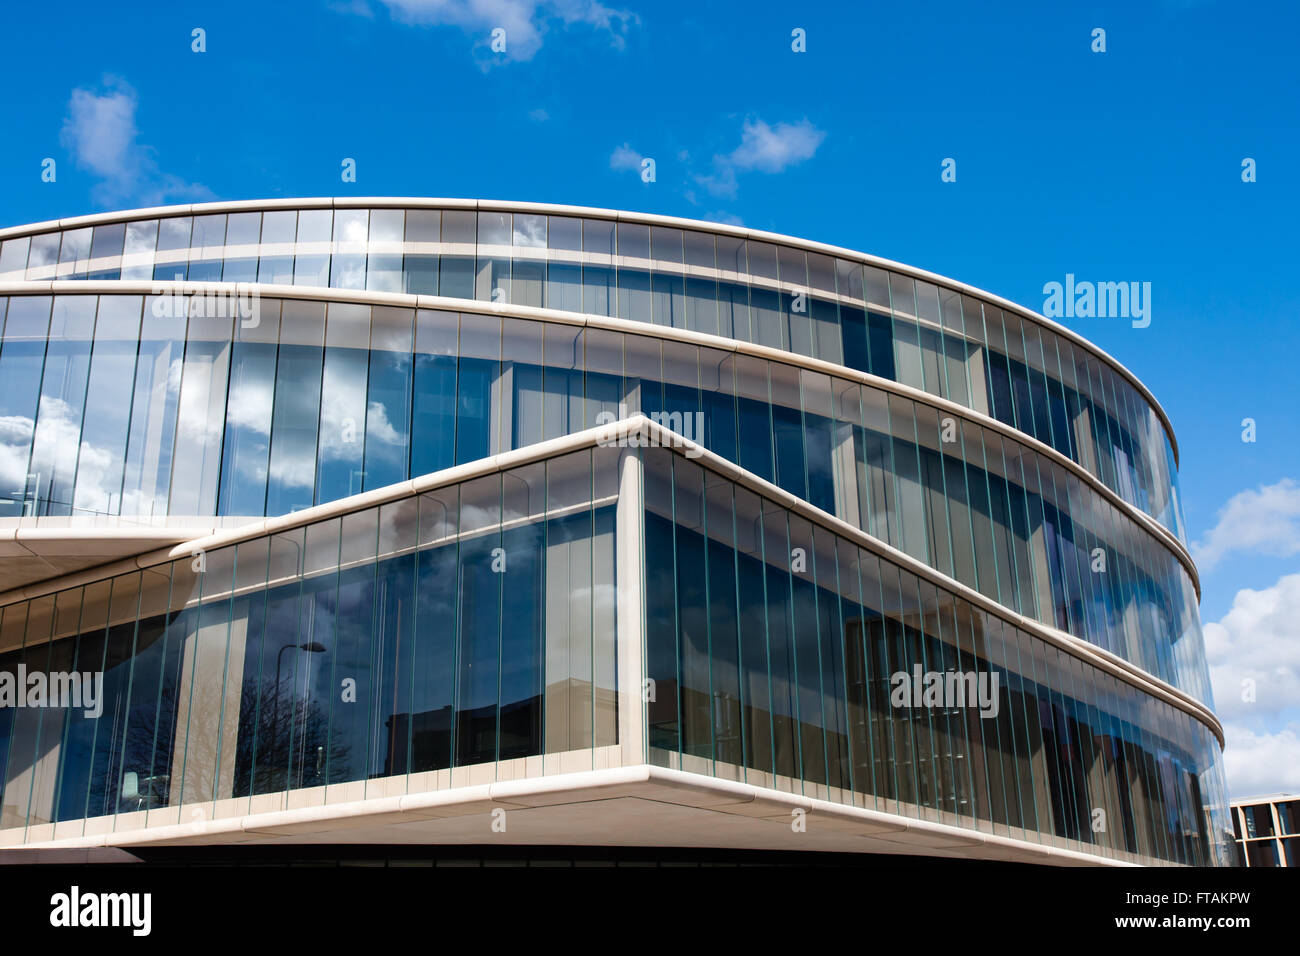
(643, 805)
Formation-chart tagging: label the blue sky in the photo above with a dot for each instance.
(1115, 166)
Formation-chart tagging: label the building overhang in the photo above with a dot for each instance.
(638, 806)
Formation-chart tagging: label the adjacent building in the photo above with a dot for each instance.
(1268, 829)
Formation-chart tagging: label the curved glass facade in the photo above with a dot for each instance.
(379, 645)
(324, 400)
(961, 493)
(473, 628)
(841, 310)
(786, 671)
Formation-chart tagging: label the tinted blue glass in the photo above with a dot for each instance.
(62, 401)
(853, 338)
(9, 665)
(766, 319)
(781, 647)
(254, 697)
(476, 709)
(196, 463)
(395, 596)
(474, 405)
(105, 427)
(720, 424)
(247, 450)
(788, 438)
(755, 689)
(819, 443)
(692, 611)
(342, 437)
(668, 304)
(724, 650)
(733, 311)
(429, 720)
(107, 758)
(22, 356)
(293, 428)
(433, 413)
(702, 307)
(353, 660)
(388, 398)
(634, 301)
(522, 641)
(661, 640)
(71, 728)
(880, 341)
(564, 286)
(598, 293)
(308, 690)
(477, 373)
(807, 665)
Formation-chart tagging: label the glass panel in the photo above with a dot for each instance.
(106, 251)
(22, 356)
(477, 698)
(246, 455)
(204, 377)
(296, 414)
(155, 405)
(388, 397)
(564, 233)
(171, 259)
(478, 388)
(433, 408)
(342, 436)
(62, 402)
(243, 232)
(311, 265)
(276, 262)
(568, 624)
(112, 366)
(348, 264)
(13, 259)
(74, 254)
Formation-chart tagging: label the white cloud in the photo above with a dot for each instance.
(625, 157)
(773, 149)
(764, 149)
(1257, 640)
(725, 218)
(525, 21)
(1260, 763)
(1264, 520)
(100, 133)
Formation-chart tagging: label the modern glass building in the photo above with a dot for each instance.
(1268, 829)
(434, 521)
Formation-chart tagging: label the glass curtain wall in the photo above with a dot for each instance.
(464, 627)
(778, 651)
(889, 324)
(313, 403)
